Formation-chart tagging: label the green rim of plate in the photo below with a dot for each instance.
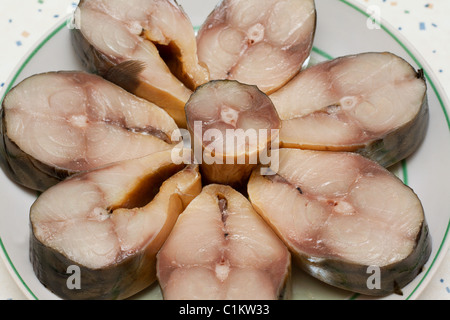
(317, 51)
(10, 85)
(441, 101)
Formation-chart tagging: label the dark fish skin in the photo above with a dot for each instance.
(354, 278)
(22, 168)
(124, 273)
(124, 74)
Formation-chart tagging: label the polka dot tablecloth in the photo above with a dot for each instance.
(424, 23)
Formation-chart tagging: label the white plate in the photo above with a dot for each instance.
(342, 29)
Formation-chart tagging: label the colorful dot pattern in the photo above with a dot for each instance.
(420, 20)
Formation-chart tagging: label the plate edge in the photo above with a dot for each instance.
(52, 31)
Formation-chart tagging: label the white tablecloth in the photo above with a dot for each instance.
(425, 24)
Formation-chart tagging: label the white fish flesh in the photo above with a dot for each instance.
(60, 123)
(235, 125)
(110, 223)
(146, 46)
(220, 249)
(371, 103)
(345, 217)
(258, 42)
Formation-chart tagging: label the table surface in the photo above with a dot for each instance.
(424, 23)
